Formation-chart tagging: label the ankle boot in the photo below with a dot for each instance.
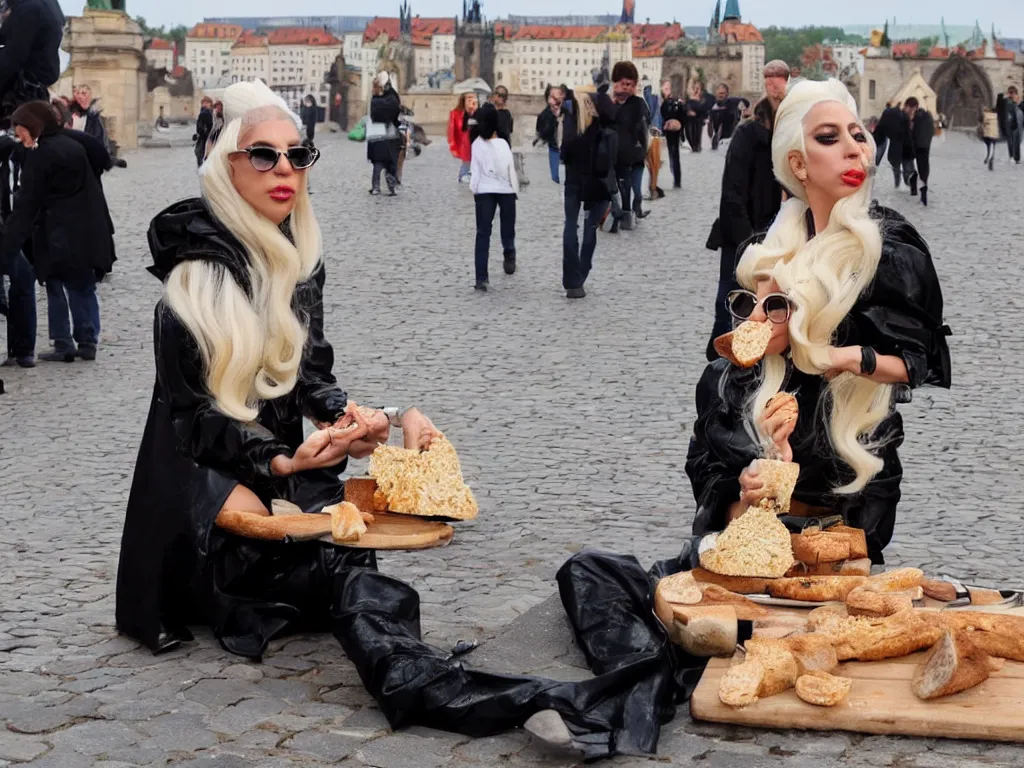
(924, 196)
(913, 185)
(896, 177)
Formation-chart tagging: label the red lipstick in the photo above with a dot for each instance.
(854, 178)
(281, 194)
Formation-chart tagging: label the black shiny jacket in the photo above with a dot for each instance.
(192, 455)
(899, 314)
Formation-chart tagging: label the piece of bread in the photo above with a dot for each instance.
(813, 653)
(835, 544)
(779, 479)
(953, 665)
(899, 580)
(861, 567)
(359, 491)
(939, 590)
(740, 683)
(680, 588)
(780, 666)
(754, 544)
(346, 521)
(426, 483)
(822, 689)
(815, 589)
(745, 609)
(745, 345)
(981, 596)
(867, 639)
(864, 602)
(707, 630)
(741, 585)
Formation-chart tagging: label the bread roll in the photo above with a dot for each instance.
(863, 602)
(896, 581)
(780, 666)
(680, 588)
(953, 665)
(866, 639)
(746, 344)
(346, 522)
(822, 689)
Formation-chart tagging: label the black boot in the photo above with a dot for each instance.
(991, 162)
(510, 263)
(896, 177)
(913, 185)
(924, 196)
(614, 229)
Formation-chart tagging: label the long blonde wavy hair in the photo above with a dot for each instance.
(824, 276)
(251, 345)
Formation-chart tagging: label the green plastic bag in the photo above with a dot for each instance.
(358, 133)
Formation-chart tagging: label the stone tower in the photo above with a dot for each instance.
(474, 45)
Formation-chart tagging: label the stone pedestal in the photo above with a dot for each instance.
(106, 54)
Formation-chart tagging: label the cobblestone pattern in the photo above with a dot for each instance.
(571, 419)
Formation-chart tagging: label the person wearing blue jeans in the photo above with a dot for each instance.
(577, 261)
(21, 313)
(554, 160)
(77, 335)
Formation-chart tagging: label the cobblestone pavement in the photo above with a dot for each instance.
(571, 419)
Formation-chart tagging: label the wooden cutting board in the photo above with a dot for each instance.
(882, 702)
(389, 531)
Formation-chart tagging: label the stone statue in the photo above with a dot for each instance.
(105, 5)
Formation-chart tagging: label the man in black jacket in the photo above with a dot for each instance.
(1013, 118)
(632, 122)
(922, 131)
(29, 59)
(506, 124)
(673, 112)
(751, 197)
(724, 114)
(890, 132)
(204, 125)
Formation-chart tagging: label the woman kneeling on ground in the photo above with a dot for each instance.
(856, 309)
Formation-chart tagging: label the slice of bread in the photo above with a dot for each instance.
(740, 683)
(822, 689)
(424, 483)
(813, 653)
(953, 665)
(746, 344)
(814, 546)
(779, 478)
(346, 522)
(707, 630)
(754, 544)
(780, 666)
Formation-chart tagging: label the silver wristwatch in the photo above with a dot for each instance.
(394, 415)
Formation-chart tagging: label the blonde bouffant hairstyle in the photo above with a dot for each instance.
(251, 344)
(824, 277)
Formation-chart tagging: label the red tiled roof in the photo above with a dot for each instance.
(301, 36)
(905, 49)
(215, 31)
(250, 39)
(649, 40)
(178, 71)
(159, 44)
(423, 29)
(738, 32)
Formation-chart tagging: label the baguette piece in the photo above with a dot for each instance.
(813, 653)
(865, 639)
(707, 630)
(861, 567)
(822, 689)
(745, 345)
(838, 543)
(346, 521)
(815, 588)
(780, 666)
(896, 581)
(779, 478)
(863, 602)
(740, 683)
(953, 665)
(754, 544)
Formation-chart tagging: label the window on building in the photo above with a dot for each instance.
(871, 89)
(499, 77)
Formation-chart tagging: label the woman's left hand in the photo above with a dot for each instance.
(844, 360)
(379, 429)
(418, 430)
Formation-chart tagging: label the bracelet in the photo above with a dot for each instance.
(868, 361)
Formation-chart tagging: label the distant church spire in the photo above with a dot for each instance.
(628, 11)
(732, 10)
(945, 34)
(717, 17)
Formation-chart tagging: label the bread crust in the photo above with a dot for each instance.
(743, 585)
(822, 689)
(861, 567)
(815, 588)
(866, 639)
(863, 602)
(359, 491)
(835, 544)
(896, 581)
(953, 665)
(813, 653)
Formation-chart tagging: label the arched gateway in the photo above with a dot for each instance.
(962, 89)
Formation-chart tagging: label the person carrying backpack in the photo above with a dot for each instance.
(589, 150)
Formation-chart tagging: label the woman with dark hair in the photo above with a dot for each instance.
(309, 115)
(61, 193)
(495, 186)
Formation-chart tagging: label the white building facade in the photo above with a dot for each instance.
(208, 53)
(250, 59)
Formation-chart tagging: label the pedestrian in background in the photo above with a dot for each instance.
(673, 117)
(309, 114)
(382, 134)
(204, 127)
(751, 197)
(458, 132)
(632, 122)
(495, 186)
(698, 106)
(922, 131)
(59, 185)
(506, 123)
(724, 115)
(549, 127)
(1013, 122)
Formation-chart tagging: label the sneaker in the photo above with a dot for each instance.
(375, 191)
(510, 262)
(86, 353)
(575, 293)
(58, 357)
(482, 285)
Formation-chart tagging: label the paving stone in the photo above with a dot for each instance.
(245, 715)
(404, 751)
(329, 746)
(21, 748)
(173, 732)
(96, 737)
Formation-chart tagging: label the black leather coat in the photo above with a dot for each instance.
(192, 456)
(899, 314)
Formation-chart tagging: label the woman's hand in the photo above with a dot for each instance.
(418, 430)
(751, 485)
(325, 447)
(844, 360)
(379, 432)
(778, 422)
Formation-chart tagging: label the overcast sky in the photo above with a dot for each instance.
(1008, 15)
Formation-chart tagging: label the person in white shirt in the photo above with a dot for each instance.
(495, 186)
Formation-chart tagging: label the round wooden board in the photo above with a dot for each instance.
(400, 532)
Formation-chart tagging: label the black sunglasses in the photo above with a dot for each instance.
(777, 306)
(265, 159)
